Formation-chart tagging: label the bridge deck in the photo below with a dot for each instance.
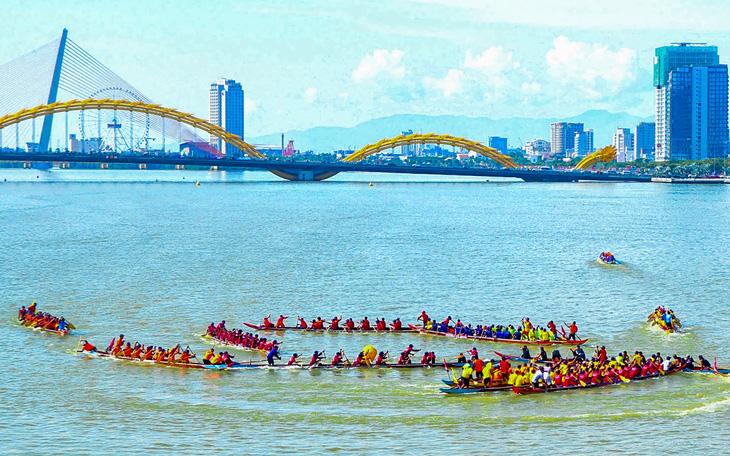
(317, 167)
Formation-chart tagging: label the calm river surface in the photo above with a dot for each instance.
(150, 255)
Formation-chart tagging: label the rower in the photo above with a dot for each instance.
(573, 331)
(473, 352)
(273, 353)
(423, 317)
(466, 372)
(302, 323)
(404, 358)
(360, 360)
(294, 360)
(267, 322)
(525, 352)
(704, 364)
(397, 325)
(87, 347)
(335, 324)
(207, 356)
(556, 355)
(316, 358)
(461, 358)
(185, 356)
(381, 359)
(62, 325)
(280, 322)
(21, 313)
(538, 379)
(31, 308)
(543, 354)
(350, 324)
(337, 359)
(579, 354)
(504, 367)
(410, 350)
(365, 324)
(217, 359)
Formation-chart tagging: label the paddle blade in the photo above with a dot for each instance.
(624, 379)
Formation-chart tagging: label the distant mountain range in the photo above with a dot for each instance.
(518, 130)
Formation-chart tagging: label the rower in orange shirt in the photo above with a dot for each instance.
(424, 317)
(267, 322)
(302, 323)
(280, 322)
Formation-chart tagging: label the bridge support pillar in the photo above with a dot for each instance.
(64, 165)
(104, 165)
(305, 175)
(143, 166)
(178, 167)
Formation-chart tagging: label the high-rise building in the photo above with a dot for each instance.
(225, 109)
(623, 141)
(691, 102)
(583, 143)
(499, 143)
(644, 137)
(562, 137)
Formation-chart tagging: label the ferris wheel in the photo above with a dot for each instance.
(112, 130)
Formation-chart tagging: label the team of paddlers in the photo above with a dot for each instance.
(336, 324)
(665, 319)
(544, 371)
(42, 320)
(238, 338)
(577, 371)
(608, 258)
(524, 331)
(121, 348)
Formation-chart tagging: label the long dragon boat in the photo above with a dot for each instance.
(498, 340)
(341, 330)
(190, 365)
(529, 389)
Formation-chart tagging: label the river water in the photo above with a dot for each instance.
(152, 255)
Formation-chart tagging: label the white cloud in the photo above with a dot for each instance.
(310, 95)
(449, 85)
(576, 61)
(380, 62)
(531, 88)
(250, 106)
(494, 65)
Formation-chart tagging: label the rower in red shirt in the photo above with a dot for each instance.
(381, 359)
(337, 359)
(280, 321)
(350, 324)
(397, 325)
(410, 350)
(335, 324)
(294, 360)
(504, 366)
(316, 358)
(424, 317)
(365, 324)
(447, 321)
(302, 323)
(267, 322)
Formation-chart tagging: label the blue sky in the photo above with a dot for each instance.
(309, 63)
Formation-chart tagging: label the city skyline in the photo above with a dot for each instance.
(341, 67)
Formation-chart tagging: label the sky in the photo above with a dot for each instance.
(313, 63)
